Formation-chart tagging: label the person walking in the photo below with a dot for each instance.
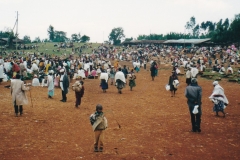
(188, 76)
(132, 78)
(120, 80)
(19, 97)
(104, 81)
(99, 124)
(79, 92)
(219, 99)
(153, 69)
(193, 93)
(171, 82)
(64, 84)
(50, 84)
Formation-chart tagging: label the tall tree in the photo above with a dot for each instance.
(234, 29)
(85, 39)
(26, 39)
(60, 36)
(75, 37)
(116, 35)
(190, 25)
(51, 33)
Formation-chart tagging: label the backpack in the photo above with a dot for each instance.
(77, 86)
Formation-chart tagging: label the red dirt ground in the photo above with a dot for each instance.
(154, 125)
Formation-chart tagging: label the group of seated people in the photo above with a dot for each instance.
(221, 69)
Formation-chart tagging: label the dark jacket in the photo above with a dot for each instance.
(65, 83)
(193, 92)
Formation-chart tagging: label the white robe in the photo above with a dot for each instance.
(1, 71)
(81, 73)
(218, 90)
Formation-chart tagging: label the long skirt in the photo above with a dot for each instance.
(132, 83)
(104, 84)
(51, 93)
(218, 107)
(120, 84)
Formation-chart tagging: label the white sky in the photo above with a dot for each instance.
(96, 18)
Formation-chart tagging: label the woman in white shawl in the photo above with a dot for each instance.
(219, 99)
(50, 84)
(120, 80)
(104, 81)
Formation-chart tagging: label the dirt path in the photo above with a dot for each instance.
(154, 125)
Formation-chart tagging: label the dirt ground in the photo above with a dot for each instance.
(153, 125)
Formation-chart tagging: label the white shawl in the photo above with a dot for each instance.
(120, 75)
(104, 76)
(218, 94)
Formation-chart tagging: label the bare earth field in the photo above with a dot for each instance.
(153, 125)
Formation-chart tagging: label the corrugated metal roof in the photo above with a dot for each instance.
(143, 41)
(192, 41)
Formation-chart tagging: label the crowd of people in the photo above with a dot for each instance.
(51, 72)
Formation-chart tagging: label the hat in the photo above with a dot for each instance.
(61, 70)
(98, 107)
(215, 83)
(194, 80)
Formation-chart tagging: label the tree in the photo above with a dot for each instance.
(116, 35)
(36, 40)
(8, 33)
(196, 31)
(190, 25)
(75, 37)
(60, 36)
(26, 39)
(234, 29)
(51, 33)
(84, 39)
(128, 39)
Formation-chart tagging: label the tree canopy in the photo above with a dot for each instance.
(116, 35)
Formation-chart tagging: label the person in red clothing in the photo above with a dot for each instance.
(15, 68)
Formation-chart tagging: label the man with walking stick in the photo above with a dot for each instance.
(19, 97)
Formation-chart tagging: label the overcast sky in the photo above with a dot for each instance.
(96, 18)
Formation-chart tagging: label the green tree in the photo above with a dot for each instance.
(116, 35)
(26, 39)
(190, 25)
(75, 37)
(51, 33)
(8, 33)
(234, 29)
(36, 40)
(60, 36)
(128, 39)
(84, 39)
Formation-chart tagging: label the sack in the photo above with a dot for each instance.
(195, 110)
(77, 86)
(167, 87)
(176, 83)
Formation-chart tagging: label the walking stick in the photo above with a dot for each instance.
(30, 97)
